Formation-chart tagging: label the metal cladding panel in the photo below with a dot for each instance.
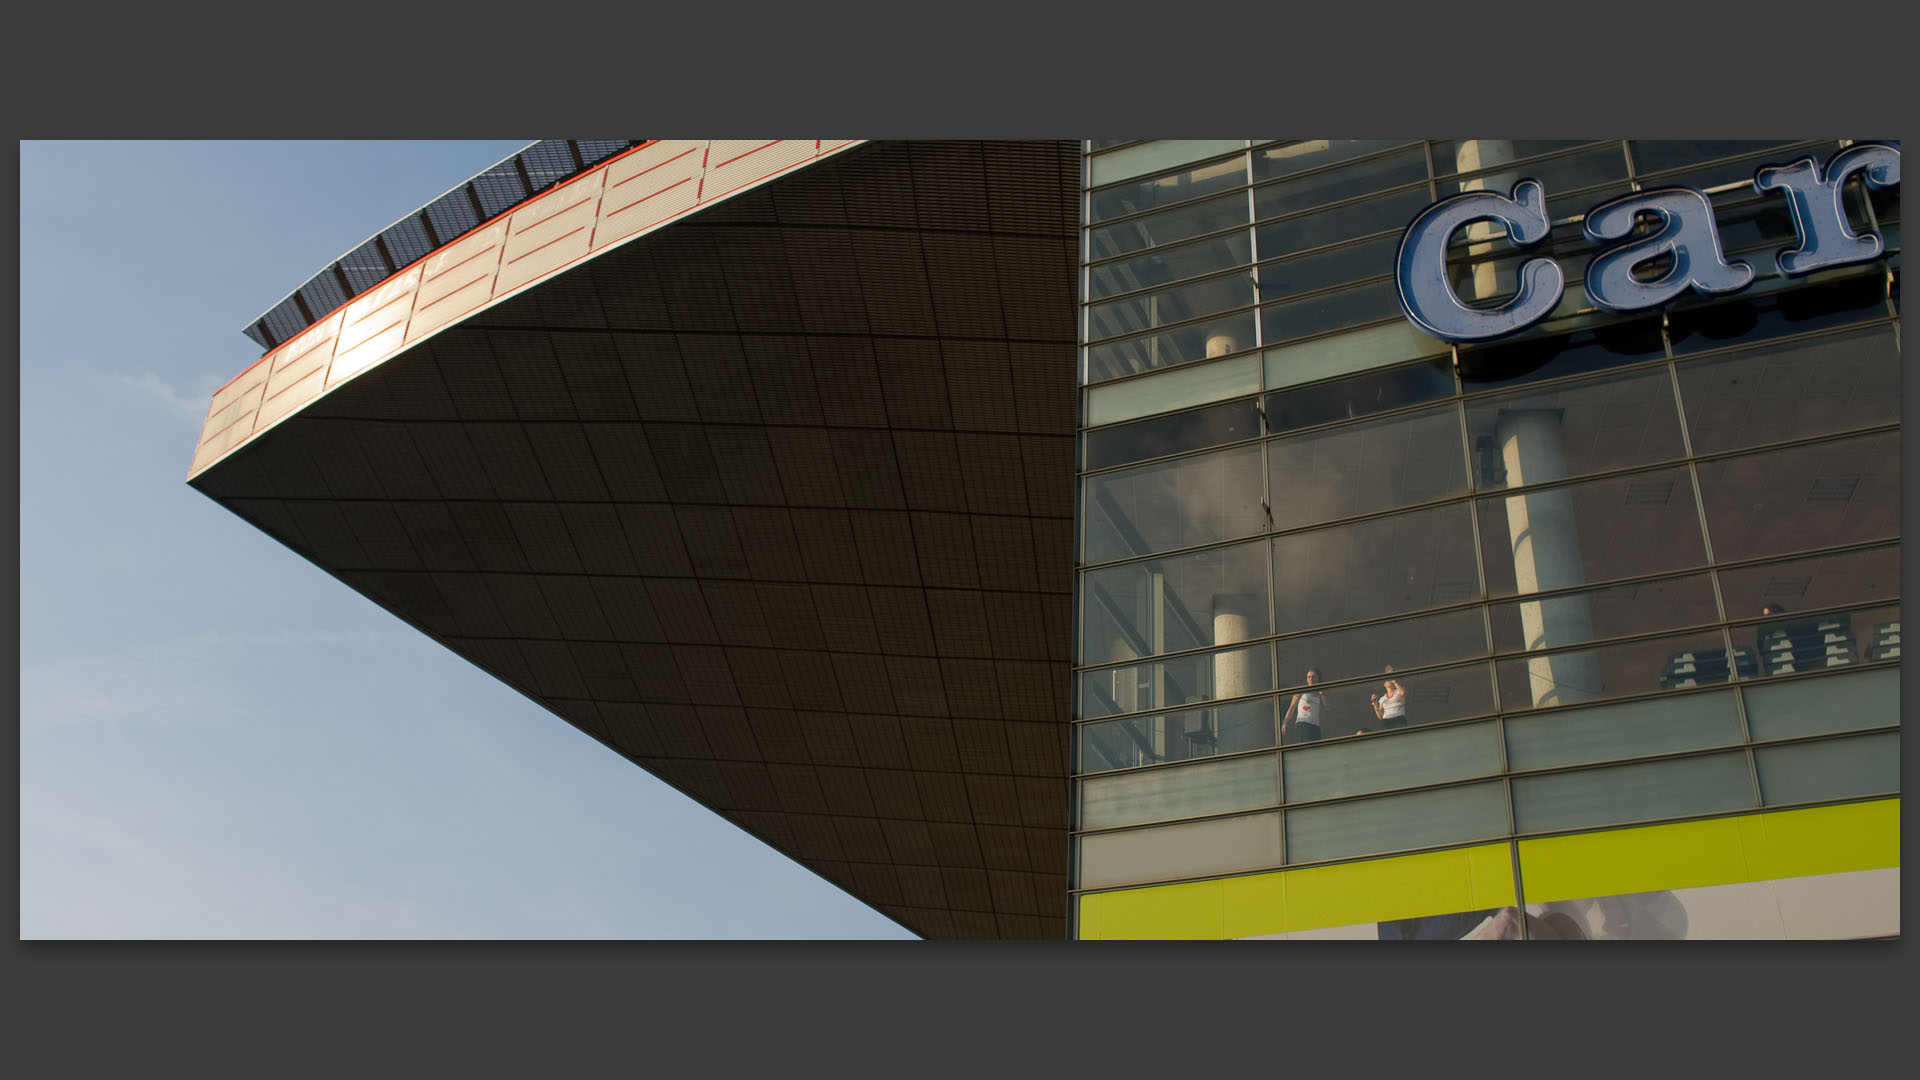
(457, 279)
(292, 397)
(307, 353)
(734, 163)
(375, 326)
(649, 186)
(550, 232)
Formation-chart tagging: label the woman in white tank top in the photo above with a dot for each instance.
(1390, 708)
(1303, 718)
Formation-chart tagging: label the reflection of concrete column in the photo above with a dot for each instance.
(1231, 617)
(1546, 555)
(1468, 155)
(1221, 345)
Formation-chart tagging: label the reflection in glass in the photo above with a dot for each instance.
(1173, 305)
(1572, 171)
(1328, 311)
(1620, 611)
(1776, 393)
(1360, 395)
(1179, 791)
(1387, 213)
(1134, 741)
(1366, 467)
(1570, 430)
(1276, 161)
(1408, 562)
(1526, 360)
(1201, 180)
(1174, 504)
(1638, 667)
(1361, 178)
(1809, 497)
(1168, 227)
(1653, 155)
(1358, 350)
(1432, 696)
(1396, 822)
(1215, 380)
(1183, 680)
(1823, 581)
(1161, 436)
(1600, 530)
(1447, 152)
(1216, 596)
(1632, 729)
(1333, 266)
(1759, 314)
(1617, 795)
(1184, 345)
(1154, 156)
(1362, 651)
(1168, 264)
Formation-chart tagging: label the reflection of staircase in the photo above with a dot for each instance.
(1807, 645)
(1686, 669)
(1886, 642)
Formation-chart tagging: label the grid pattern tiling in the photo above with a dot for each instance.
(759, 501)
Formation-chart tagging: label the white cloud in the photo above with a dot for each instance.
(190, 405)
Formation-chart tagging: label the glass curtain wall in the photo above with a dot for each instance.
(1346, 591)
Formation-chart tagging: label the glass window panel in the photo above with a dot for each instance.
(1182, 503)
(1745, 223)
(1171, 390)
(1180, 791)
(1387, 213)
(1742, 168)
(1794, 644)
(1276, 161)
(1211, 178)
(1329, 311)
(1696, 325)
(1216, 596)
(1621, 611)
(1432, 697)
(1681, 787)
(1830, 769)
(1886, 204)
(1414, 759)
(1183, 680)
(1154, 156)
(1632, 729)
(1188, 850)
(1849, 702)
(1167, 227)
(1366, 467)
(1396, 823)
(1447, 153)
(1541, 680)
(1775, 393)
(1374, 346)
(1134, 741)
(1161, 436)
(1653, 155)
(1574, 429)
(1584, 169)
(1131, 742)
(1808, 584)
(1808, 497)
(1173, 305)
(1184, 345)
(1369, 258)
(1370, 569)
(1599, 530)
(1360, 395)
(1527, 360)
(1368, 650)
(1162, 265)
(1333, 185)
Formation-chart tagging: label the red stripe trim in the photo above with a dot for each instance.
(548, 244)
(644, 198)
(652, 167)
(451, 293)
(574, 205)
(458, 265)
(737, 157)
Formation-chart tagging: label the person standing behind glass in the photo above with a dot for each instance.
(1390, 708)
(1304, 713)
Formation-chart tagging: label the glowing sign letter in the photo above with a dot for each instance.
(1814, 194)
(1686, 235)
(1421, 269)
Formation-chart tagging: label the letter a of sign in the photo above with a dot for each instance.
(1421, 267)
(1818, 215)
(1686, 234)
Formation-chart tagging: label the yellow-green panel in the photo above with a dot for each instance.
(1431, 883)
(1720, 851)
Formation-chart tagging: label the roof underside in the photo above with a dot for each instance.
(776, 502)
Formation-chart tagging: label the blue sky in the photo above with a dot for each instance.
(217, 740)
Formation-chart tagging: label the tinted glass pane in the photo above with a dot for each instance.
(1432, 697)
(1715, 783)
(1653, 155)
(1329, 311)
(1571, 171)
(1357, 350)
(1600, 530)
(1576, 675)
(1403, 563)
(1369, 258)
(1154, 156)
(1813, 583)
(1414, 759)
(1169, 306)
(1845, 702)
(1183, 680)
(1333, 185)
(1695, 326)
(1177, 389)
(1360, 395)
(1366, 467)
(1174, 504)
(1467, 155)
(1198, 219)
(1742, 168)
(1396, 823)
(1179, 792)
(1387, 213)
(1199, 341)
(1574, 429)
(1830, 769)
(1168, 852)
(1276, 161)
(1163, 265)
(1168, 605)
(1794, 644)
(1532, 359)
(1633, 729)
(1621, 611)
(1172, 434)
(1775, 393)
(1364, 651)
(1809, 497)
(1134, 741)
(1201, 180)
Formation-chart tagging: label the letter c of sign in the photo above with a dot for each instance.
(1421, 267)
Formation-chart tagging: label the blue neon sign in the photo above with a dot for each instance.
(1685, 235)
